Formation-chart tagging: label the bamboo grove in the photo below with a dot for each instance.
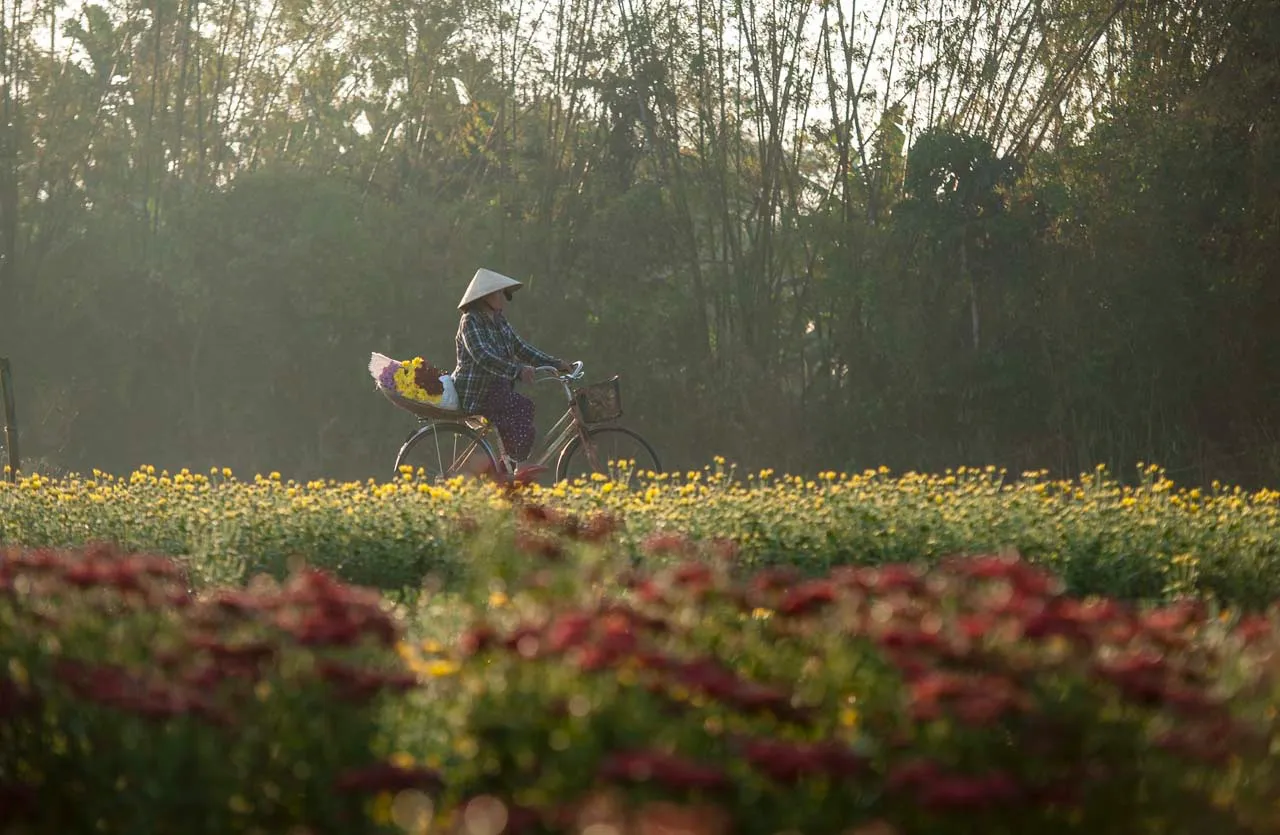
(809, 235)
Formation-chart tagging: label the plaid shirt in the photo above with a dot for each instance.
(490, 353)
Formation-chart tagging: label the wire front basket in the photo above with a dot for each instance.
(600, 402)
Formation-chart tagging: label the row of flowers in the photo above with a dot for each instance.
(128, 703)
(975, 696)
(1151, 540)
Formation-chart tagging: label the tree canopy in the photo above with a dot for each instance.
(831, 235)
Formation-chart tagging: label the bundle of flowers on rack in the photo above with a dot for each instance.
(415, 381)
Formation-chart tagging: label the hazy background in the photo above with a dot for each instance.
(921, 233)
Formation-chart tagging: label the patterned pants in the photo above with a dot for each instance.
(511, 413)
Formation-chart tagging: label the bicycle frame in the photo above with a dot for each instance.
(553, 441)
(569, 425)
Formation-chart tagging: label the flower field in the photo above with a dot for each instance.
(1153, 540)
(698, 653)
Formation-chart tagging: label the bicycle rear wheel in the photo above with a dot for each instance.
(613, 445)
(440, 451)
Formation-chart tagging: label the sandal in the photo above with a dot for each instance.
(529, 473)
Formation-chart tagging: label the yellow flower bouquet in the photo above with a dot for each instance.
(415, 380)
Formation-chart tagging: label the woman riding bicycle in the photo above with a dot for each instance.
(491, 358)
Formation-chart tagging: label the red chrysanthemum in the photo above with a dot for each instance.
(427, 376)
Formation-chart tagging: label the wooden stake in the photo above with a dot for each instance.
(10, 420)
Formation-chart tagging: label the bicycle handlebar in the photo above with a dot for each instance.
(554, 373)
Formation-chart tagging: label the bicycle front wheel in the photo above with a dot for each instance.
(619, 452)
(441, 451)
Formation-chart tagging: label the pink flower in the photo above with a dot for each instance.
(599, 528)
(629, 618)
(251, 653)
(671, 770)
(1212, 742)
(1254, 628)
(1025, 579)
(538, 514)
(912, 773)
(939, 790)
(358, 685)
(233, 600)
(567, 631)
(891, 578)
(707, 676)
(85, 574)
(775, 579)
(910, 638)
(790, 762)
(593, 658)
(618, 643)
(1140, 675)
(1173, 618)
(975, 626)
(807, 598)
(695, 576)
(954, 792)
(667, 544)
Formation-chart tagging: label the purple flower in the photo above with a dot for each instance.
(387, 377)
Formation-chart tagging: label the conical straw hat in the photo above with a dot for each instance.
(485, 282)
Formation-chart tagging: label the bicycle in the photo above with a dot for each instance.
(443, 445)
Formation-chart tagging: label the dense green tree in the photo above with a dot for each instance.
(1036, 233)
